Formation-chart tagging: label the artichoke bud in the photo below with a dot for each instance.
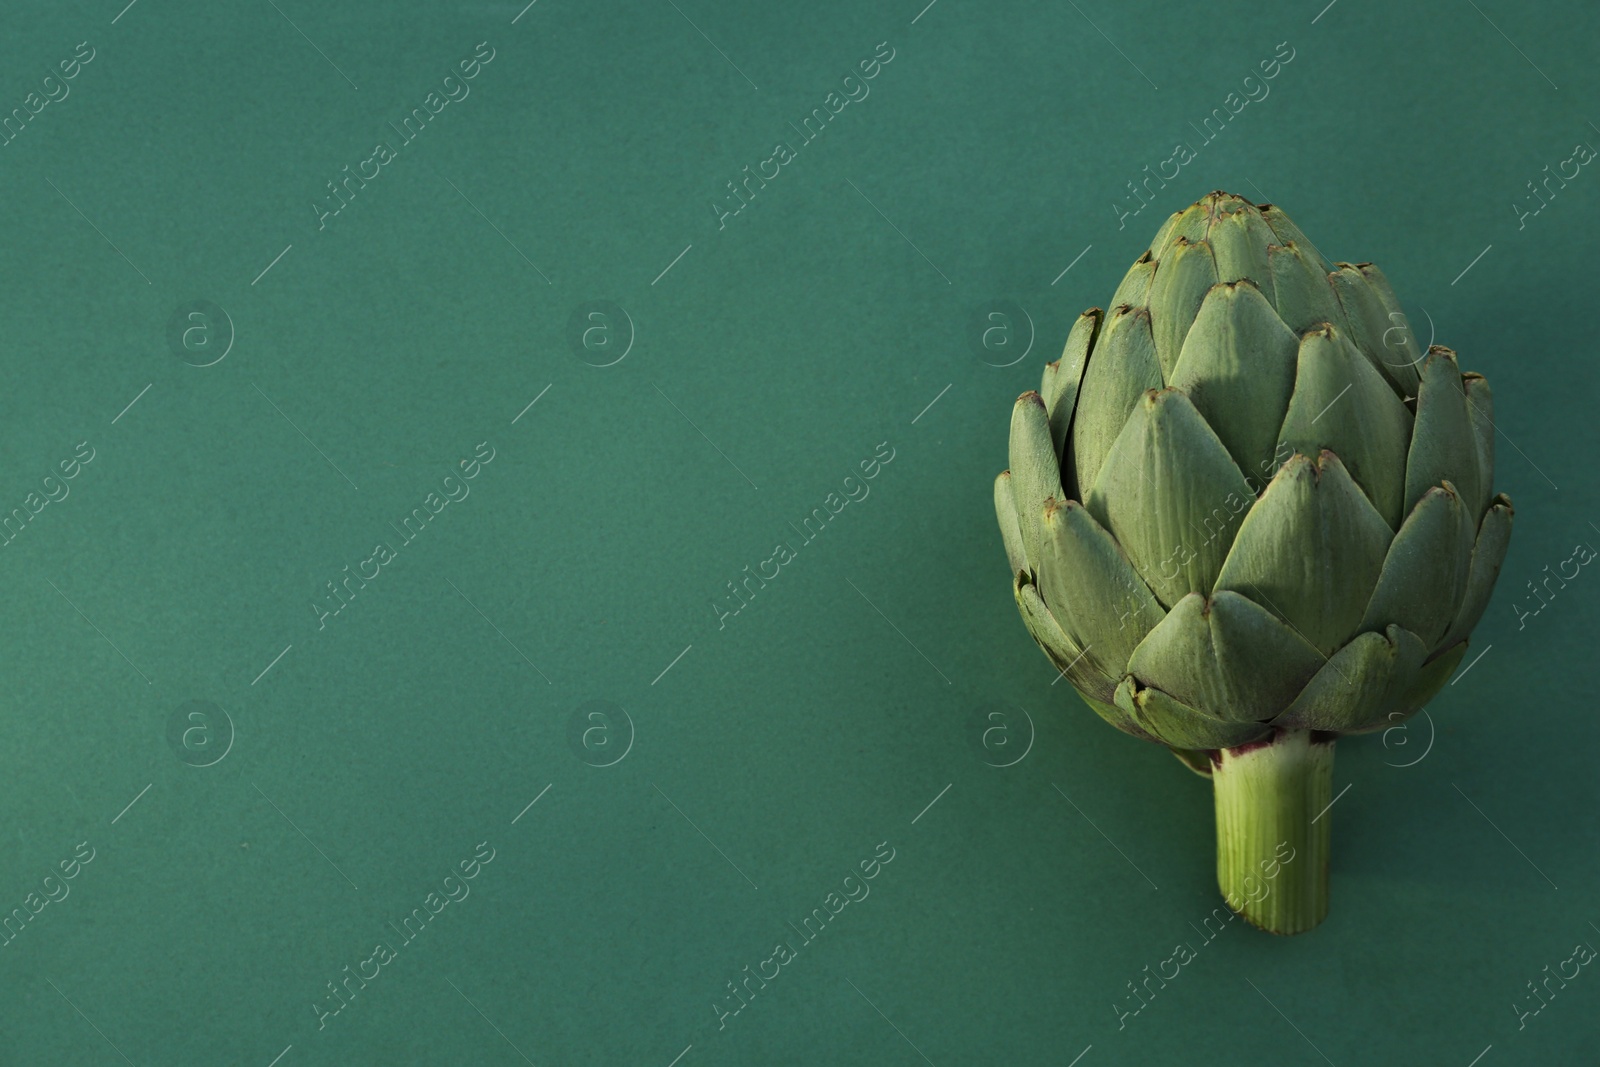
(1247, 512)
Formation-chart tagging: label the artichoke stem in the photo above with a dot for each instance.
(1272, 828)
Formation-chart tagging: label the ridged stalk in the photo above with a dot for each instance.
(1272, 798)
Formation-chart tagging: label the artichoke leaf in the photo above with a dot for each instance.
(1121, 366)
(1444, 446)
(1171, 495)
(1288, 233)
(1005, 509)
(1060, 386)
(1238, 367)
(1179, 725)
(1425, 573)
(1374, 334)
(1300, 290)
(1430, 678)
(1190, 224)
(1488, 553)
(1227, 657)
(1310, 551)
(1114, 715)
(1344, 405)
(1480, 409)
(1092, 589)
(1400, 343)
(1062, 651)
(1035, 471)
(1197, 760)
(1134, 289)
(1095, 689)
(1359, 685)
(1239, 241)
(1181, 282)
(1050, 386)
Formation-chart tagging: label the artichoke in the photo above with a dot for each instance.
(1246, 514)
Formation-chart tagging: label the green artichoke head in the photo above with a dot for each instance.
(1244, 498)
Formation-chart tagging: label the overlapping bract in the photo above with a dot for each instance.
(1245, 498)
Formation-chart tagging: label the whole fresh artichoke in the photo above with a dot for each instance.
(1246, 514)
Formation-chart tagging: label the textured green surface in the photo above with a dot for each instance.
(879, 660)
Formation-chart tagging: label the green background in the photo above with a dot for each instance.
(369, 756)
